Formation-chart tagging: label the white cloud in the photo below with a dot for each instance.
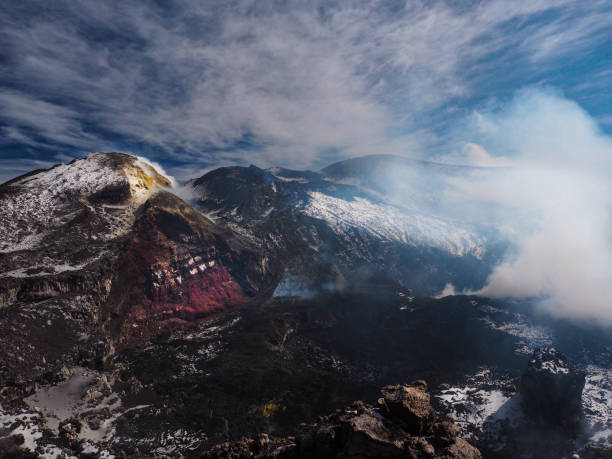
(478, 156)
(142, 161)
(556, 203)
(52, 122)
(475, 155)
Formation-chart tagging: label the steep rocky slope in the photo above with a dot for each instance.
(96, 255)
(268, 368)
(62, 231)
(551, 389)
(178, 266)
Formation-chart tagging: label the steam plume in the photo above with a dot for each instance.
(554, 204)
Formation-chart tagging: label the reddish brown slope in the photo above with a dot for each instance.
(178, 266)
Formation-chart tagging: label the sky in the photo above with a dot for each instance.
(198, 84)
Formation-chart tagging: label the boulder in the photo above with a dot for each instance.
(551, 389)
(69, 431)
(10, 447)
(411, 405)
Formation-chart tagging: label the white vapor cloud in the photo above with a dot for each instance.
(475, 155)
(556, 202)
(141, 160)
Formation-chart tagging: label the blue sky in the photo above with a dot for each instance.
(198, 84)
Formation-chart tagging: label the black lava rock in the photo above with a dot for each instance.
(551, 389)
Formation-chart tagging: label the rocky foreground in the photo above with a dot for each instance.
(403, 424)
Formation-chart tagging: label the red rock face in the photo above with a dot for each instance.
(174, 270)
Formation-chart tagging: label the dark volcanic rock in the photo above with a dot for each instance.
(551, 389)
(69, 433)
(404, 425)
(411, 404)
(11, 447)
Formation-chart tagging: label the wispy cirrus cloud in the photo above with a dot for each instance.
(30, 116)
(298, 83)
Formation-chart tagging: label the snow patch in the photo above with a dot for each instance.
(532, 337)
(27, 427)
(471, 407)
(48, 267)
(597, 404)
(85, 391)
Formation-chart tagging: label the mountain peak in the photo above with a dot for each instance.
(36, 204)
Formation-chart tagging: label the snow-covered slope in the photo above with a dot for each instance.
(392, 223)
(35, 205)
(342, 222)
(30, 214)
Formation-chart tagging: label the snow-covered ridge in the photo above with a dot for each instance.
(28, 214)
(84, 176)
(391, 223)
(34, 205)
